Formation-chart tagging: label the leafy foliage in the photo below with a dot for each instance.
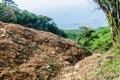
(38, 22)
(72, 34)
(111, 9)
(25, 18)
(86, 31)
(99, 40)
(7, 14)
(110, 68)
(9, 2)
(91, 39)
(102, 39)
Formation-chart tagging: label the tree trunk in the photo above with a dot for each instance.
(114, 21)
(112, 10)
(114, 28)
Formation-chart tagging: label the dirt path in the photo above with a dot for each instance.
(82, 70)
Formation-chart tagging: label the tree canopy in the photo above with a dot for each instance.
(11, 14)
(111, 9)
(7, 14)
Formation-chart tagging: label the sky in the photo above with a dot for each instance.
(66, 13)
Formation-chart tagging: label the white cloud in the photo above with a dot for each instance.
(63, 11)
(50, 3)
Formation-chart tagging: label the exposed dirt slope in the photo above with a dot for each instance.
(27, 54)
(81, 70)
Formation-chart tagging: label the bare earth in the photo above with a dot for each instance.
(28, 54)
(82, 70)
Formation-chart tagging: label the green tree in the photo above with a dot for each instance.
(11, 14)
(7, 14)
(86, 31)
(111, 9)
(8, 2)
(97, 38)
(85, 36)
(38, 22)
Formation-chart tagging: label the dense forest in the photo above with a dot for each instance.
(10, 13)
(105, 40)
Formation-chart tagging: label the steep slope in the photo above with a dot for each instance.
(27, 54)
(82, 70)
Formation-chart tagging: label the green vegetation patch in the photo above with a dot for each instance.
(97, 40)
(72, 34)
(12, 14)
(91, 39)
(110, 68)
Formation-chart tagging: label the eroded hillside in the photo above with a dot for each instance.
(28, 54)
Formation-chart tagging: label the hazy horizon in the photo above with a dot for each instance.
(66, 12)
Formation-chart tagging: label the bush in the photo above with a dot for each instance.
(99, 40)
(72, 34)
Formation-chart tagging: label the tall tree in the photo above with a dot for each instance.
(7, 14)
(9, 2)
(111, 9)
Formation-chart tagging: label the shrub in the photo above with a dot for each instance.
(99, 40)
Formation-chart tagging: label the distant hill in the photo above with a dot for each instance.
(77, 25)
